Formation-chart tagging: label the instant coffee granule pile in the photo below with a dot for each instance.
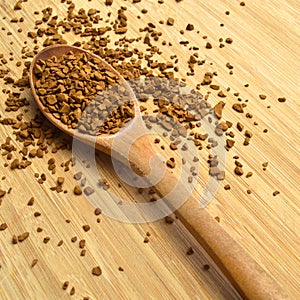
(68, 84)
(66, 89)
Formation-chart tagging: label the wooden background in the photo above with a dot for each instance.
(265, 54)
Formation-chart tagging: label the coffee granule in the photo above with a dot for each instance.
(3, 226)
(97, 271)
(190, 251)
(22, 237)
(86, 228)
(77, 190)
(34, 262)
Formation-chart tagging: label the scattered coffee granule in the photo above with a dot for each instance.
(249, 174)
(77, 190)
(34, 262)
(190, 251)
(14, 239)
(37, 214)
(60, 243)
(208, 45)
(86, 228)
(146, 240)
(2, 193)
(72, 292)
(74, 239)
(229, 40)
(3, 226)
(227, 187)
(218, 108)
(83, 252)
(31, 201)
(170, 21)
(46, 239)
(238, 107)
(189, 27)
(169, 220)
(109, 2)
(238, 171)
(65, 285)
(22, 237)
(262, 96)
(276, 193)
(96, 271)
(239, 126)
(249, 192)
(281, 99)
(242, 3)
(171, 163)
(97, 211)
(121, 269)
(81, 244)
(206, 267)
(217, 218)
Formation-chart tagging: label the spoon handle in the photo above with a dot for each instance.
(246, 275)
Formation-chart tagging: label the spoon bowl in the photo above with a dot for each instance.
(247, 276)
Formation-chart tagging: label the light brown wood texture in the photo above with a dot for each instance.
(264, 54)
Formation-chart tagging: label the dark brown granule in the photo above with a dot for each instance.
(218, 108)
(121, 269)
(189, 27)
(239, 126)
(190, 251)
(74, 239)
(109, 2)
(171, 163)
(97, 211)
(22, 237)
(242, 3)
(97, 271)
(249, 174)
(14, 239)
(72, 292)
(77, 190)
(3, 226)
(229, 40)
(169, 220)
(262, 97)
(82, 252)
(146, 240)
(238, 171)
(206, 267)
(227, 187)
(46, 239)
(281, 99)
(81, 244)
(31, 201)
(34, 262)
(65, 285)
(249, 192)
(86, 228)
(37, 214)
(39, 229)
(60, 243)
(2, 193)
(170, 21)
(276, 193)
(217, 218)
(238, 107)
(208, 45)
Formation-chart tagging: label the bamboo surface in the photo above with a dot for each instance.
(264, 53)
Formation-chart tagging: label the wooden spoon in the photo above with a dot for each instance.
(247, 276)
